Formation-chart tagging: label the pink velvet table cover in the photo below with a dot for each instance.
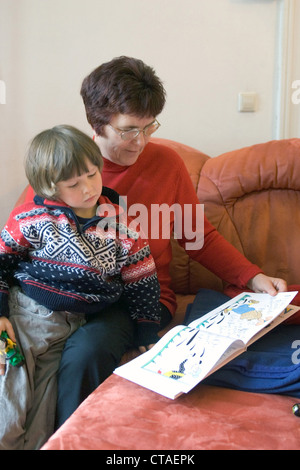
(121, 415)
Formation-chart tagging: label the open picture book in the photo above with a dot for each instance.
(185, 355)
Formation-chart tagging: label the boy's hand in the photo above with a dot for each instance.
(5, 325)
(143, 349)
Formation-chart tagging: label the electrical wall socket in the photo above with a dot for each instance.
(247, 102)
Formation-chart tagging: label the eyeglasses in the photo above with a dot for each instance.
(133, 133)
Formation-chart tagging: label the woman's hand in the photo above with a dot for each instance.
(266, 284)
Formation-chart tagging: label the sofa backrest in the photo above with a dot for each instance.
(252, 197)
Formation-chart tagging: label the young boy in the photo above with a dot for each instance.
(60, 264)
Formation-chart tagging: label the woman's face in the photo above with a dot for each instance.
(117, 150)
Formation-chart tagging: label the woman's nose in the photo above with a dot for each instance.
(140, 139)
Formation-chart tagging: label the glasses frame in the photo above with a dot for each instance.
(122, 133)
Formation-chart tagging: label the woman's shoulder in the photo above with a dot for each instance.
(163, 155)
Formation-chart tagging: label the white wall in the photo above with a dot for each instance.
(205, 51)
(287, 94)
(294, 111)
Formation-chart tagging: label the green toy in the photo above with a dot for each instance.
(10, 351)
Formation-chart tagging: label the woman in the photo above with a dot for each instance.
(122, 99)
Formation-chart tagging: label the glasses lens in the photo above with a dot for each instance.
(148, 130)
(129, 135)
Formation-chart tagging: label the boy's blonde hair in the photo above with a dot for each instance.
(59, 154)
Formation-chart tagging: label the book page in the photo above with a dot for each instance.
(245, 315)
(187, 354)
(177, 364)
(231, 353)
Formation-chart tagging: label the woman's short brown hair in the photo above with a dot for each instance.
(58, 154)
(122, 86)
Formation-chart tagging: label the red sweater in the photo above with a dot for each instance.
(160, 176)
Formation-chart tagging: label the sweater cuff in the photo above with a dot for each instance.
(147, 333)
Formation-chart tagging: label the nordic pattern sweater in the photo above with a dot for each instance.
(68, 267)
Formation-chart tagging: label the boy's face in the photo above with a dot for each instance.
(82, 192)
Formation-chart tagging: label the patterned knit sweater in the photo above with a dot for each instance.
(64, 265)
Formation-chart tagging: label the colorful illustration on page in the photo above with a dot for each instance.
(244, 315)
(186, 355)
